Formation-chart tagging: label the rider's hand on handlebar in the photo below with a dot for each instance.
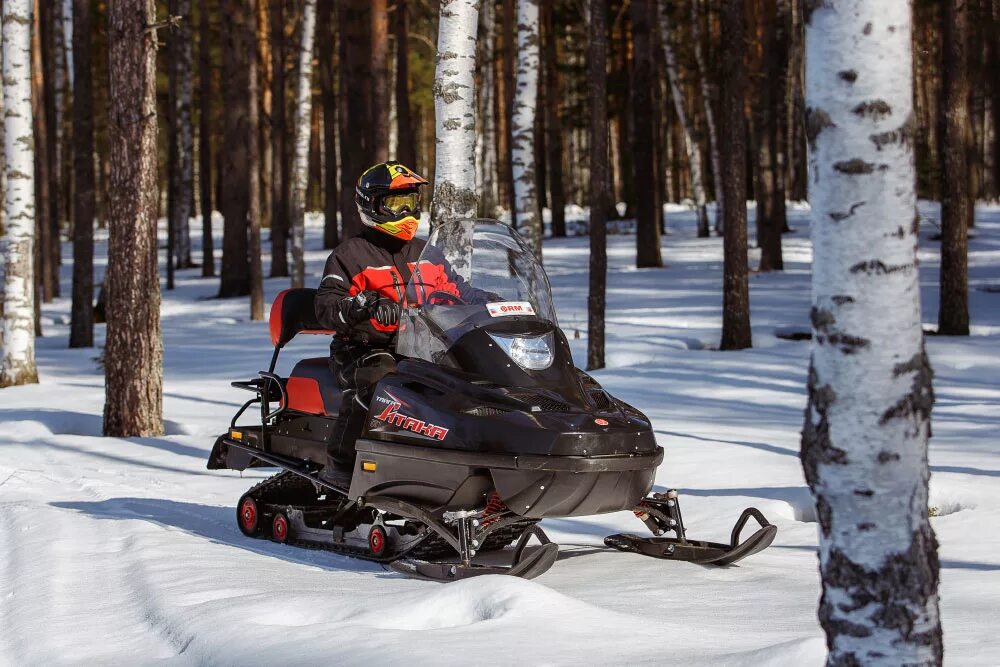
(386, 312)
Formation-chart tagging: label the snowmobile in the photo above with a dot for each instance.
(484, 428)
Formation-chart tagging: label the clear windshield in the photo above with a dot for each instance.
(472, 273)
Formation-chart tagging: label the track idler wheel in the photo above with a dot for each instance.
(248, 516)
(280, 528)
(377, 541)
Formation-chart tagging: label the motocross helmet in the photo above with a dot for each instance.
(388, 199)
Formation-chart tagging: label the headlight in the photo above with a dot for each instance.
(534, 353)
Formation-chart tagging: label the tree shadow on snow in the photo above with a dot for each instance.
(216, 524)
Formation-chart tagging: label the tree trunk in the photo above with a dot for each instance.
(509, 27)
(768, 109)
(644, 174)
(455, 113)
(486, 136)
(279, 132)
(253, 168)
(300, 168)
(17, 332)
(81, 333)
(597, 56)
(44, 271)
(735, 288)
(379, 119)
(864, 441)
(406, 149)
(528, 211)
(355, 113)
(205, 133)
(553, 124)
(181, 178)
(133, 355)
(687, 127)
(53, 152)
(234, 200)
(956, 197)
(328, 83)
(709, 95)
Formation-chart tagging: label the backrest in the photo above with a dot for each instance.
(293, 312)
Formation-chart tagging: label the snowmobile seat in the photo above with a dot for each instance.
(313, 389)
(294, 312)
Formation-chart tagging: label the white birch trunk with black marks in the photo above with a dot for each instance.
(17, 332)
(300, 164)
(455, 112)
(527, 213)
(455, 117)
(708, 98)
(864, 440)
(690, 146)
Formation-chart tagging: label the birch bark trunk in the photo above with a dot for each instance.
(300, 163)
(17, 331)
(867, 422)
(527, 209)
(455, 113)
(133, 355)
(690, 145)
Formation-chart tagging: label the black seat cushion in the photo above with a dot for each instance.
(313, 389)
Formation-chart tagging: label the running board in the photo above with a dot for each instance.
(294, 466)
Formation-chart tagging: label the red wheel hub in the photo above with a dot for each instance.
(248, 515)
(376, 540)
(279, 528)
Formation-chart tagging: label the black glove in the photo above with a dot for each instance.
(359, 307)
(386, 312)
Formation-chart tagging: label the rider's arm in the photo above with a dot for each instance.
(333, 298)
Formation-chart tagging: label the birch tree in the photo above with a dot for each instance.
(864, 441)
(528, 212)
(455, 113)
(300, 164)
(17, 336)
(133, 356)
(690, 145)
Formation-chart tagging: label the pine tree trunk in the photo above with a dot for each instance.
(768, 108)
(732, 145)
(253, 168)
(709, 95)
(300, 168)
(643, 138)
(234, 196)
(486, 136)
(455, 113)
(406, 149)
(527, 209)
(53, 152)
(956, 197)
(279, 132)
(509, 27)
(380, 80)
(133, 355)
(328, 84)
(81, 332)
(687, 128)
(355, 112)
(44, 271)
(597, 56)
(17, 330)
(205, 133)
(864, 441)
(553, 124)
(181, 178)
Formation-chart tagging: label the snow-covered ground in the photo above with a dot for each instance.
(127, 551)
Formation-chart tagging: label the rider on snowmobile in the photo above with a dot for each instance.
(363, 286)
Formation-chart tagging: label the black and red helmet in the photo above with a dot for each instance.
(388, 199)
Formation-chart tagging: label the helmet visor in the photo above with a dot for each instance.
(405, 202)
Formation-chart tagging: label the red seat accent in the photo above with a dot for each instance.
(304, 396)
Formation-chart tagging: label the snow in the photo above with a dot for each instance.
(126, 551)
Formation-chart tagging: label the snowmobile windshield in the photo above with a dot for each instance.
(473, 274)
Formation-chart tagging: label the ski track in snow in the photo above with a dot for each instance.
(126, 551)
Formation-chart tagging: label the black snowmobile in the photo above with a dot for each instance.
(484, 428)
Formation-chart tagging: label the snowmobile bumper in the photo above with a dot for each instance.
(530, 485)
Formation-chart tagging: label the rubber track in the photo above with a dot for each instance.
(269, 496)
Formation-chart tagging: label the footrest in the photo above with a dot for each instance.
(529, 567)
